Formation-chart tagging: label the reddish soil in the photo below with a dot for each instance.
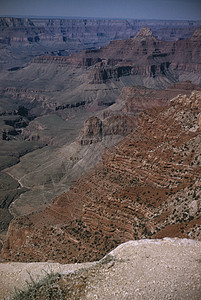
(146, 186)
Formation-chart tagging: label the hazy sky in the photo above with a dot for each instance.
(135, 9)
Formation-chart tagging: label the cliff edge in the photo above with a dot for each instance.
(144, 269)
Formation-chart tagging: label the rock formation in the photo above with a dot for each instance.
(148, 269)
(121, 118)
(142, 56)
(146, 56)
(23, 39)
(99, 75)
(87, 31)
(68, 90)
(146, 186)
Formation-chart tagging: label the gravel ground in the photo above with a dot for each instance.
(150, 269)
(16, 274)
(145, 269)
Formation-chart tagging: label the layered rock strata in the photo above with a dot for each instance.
(97, 76)
(143, 55)
(121, 118)
(88, 31)
(146, 186)
(21, 39)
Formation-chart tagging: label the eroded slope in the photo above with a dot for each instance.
(146, 186)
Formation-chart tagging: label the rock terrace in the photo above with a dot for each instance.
(146, 186)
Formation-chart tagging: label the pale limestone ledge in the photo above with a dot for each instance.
(145, 269)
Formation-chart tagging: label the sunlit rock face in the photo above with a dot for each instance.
(144, 55)
(146, 186)
(119, 201)
(22, 39)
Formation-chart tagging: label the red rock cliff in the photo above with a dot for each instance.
(146, 186)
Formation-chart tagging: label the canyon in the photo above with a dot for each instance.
(71, 90)
(56, 83)
(147, 186)
(48, 171)
(21, 39)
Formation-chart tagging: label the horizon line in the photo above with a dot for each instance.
(93, 18)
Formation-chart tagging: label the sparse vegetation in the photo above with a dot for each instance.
(45, 289)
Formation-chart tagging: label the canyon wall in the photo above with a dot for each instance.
(142, 56)
(99, 75)
(87, 31)
(59, 92)
(146, 186)
(146, 56)
(21, 39)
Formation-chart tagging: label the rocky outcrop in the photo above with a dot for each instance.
(197, 34)
(23, 39)
(32, 99)
(111, 124)
(98, 75)
(169, 267)
(102, 74)
(146, 186)
(144, 35)
(122, 117)
(144, 55)
(92, 131)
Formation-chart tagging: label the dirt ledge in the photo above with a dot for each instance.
(144, 269)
